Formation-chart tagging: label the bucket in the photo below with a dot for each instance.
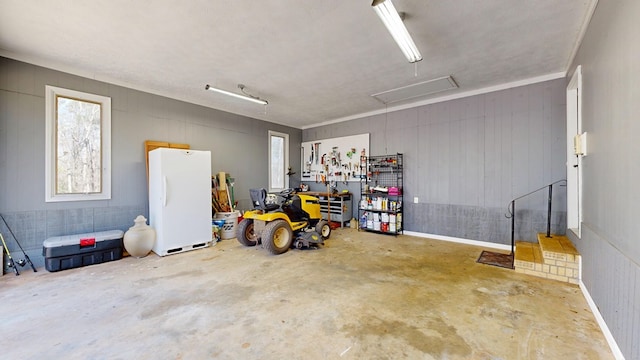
(230, 222)
(216, 230)
(376, 225)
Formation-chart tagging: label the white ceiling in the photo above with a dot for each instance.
(314, 61)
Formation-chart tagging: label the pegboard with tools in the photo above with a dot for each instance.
(334, 160)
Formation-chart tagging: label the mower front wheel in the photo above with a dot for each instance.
(277, 237)
(323, 228)
(245, 234)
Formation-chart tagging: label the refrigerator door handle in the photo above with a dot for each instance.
(164, 191)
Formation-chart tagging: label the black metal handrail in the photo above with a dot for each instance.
(511, 208)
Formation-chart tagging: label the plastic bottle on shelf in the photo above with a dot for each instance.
(363, 221)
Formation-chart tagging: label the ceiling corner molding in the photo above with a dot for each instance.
(47, 64)
(490, 89)
(112, 81)
(583, 30)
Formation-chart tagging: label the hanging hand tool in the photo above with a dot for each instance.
(312, 154)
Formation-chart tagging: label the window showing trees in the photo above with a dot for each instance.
(78, 145)
(278, 160)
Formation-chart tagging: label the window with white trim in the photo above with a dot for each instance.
(78, 145)
(278, 161)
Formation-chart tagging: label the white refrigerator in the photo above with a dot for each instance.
(180, 199)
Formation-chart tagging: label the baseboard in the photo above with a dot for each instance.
(459, 240)
(603, 325)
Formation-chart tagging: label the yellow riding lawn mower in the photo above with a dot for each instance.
(295, 223)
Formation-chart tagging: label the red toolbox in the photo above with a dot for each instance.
(72, 251)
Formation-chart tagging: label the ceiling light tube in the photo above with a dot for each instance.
(391, 19)
(239, 96)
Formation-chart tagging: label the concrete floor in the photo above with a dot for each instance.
(362, 296)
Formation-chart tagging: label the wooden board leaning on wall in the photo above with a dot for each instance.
(154, 144)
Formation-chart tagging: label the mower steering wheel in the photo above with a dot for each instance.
(286, 193)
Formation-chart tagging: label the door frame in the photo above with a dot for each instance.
(574, 162)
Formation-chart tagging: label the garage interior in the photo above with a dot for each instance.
(534, 123)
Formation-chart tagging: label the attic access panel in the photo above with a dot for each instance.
(416, 90)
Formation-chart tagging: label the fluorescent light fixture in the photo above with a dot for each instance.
(416, 90)
(391, 19)
(239, 96)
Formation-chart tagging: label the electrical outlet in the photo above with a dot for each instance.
(415, 200)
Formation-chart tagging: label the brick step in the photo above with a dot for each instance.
(558, 247)
(530, 259)
(528, 255)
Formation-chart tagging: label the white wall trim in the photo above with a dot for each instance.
(583, 31)
(600, 320)
(285, 164)
(113, 81)
(459, 240)
(51, 145)
(486, 90)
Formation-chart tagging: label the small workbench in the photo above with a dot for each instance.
(340, 205)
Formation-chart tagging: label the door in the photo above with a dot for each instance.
(574, 162)
(188, 194)
(179, 198)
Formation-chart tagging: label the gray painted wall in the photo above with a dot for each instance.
(238, 146)
(610, 246)
(466, 159)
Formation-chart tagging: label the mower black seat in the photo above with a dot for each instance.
(258, 196)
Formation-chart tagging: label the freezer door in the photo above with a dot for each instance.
(179, 198)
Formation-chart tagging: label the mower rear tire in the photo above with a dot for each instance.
(277, 237)
(323, 228)
(245, 234)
